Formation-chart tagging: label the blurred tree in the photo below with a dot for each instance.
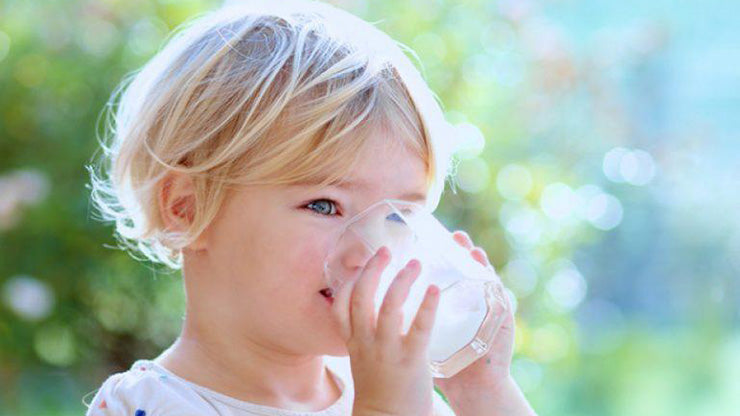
(564, 141)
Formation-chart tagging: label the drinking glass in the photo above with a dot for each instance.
(471, 303)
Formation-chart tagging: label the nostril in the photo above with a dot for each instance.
(327, 292)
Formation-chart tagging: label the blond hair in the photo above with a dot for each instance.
(258, 93)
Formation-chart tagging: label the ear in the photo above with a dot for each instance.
(177, 204)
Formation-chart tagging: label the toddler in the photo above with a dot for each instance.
(221, 150)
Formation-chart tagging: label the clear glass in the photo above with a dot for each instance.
(471, 304)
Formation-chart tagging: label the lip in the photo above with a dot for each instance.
(329, 300)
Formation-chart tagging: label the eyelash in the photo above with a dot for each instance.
(397, 218)
(322, 199)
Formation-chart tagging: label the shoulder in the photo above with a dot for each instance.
(142, 391)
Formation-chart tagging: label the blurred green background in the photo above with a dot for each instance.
(600, 174)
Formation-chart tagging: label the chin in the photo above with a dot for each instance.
(333, 345)
(328, 341)
(323, 341)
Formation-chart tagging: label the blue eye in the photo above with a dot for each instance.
(331, 203)
(395, 217)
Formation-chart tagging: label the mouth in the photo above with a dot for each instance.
(327, 294)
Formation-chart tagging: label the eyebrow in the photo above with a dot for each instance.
(361, 184)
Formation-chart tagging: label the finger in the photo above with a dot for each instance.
(463, 239)
(480, 256)
(341, 307)
(390, 316)
(417, 338)
(362, 305)
(507, 324)
(509, 307)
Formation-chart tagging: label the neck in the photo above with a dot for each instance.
(245, 369)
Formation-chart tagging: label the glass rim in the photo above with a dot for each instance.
(367, 210)
(343, 229)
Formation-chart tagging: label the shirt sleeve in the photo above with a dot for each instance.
(126, 394)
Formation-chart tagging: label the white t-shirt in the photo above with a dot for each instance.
(148, 389)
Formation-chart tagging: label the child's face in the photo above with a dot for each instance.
(266, 248)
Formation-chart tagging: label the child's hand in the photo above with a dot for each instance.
(494, 367)
(486, 386)
(390, 370)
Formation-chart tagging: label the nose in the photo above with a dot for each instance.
(347, 258)
(357, 242)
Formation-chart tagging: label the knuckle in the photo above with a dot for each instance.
(407, 360)
(394, 294)
(422, 326)
(362, 335)
(356, 302)
(355, 348)
(387, 310)
(384, 355)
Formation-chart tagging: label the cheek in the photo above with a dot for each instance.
(307, 263)
(291, 262)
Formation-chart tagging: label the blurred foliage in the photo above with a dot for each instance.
(596, 176)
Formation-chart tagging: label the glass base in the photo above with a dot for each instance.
(481, 343)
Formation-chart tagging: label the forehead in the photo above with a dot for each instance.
(416, 193)
(388, 171)
(387, 159)
(388, 163)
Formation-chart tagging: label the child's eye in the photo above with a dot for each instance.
(394, 217)
(317, 203)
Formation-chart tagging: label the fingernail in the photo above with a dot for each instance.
(483, 252)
